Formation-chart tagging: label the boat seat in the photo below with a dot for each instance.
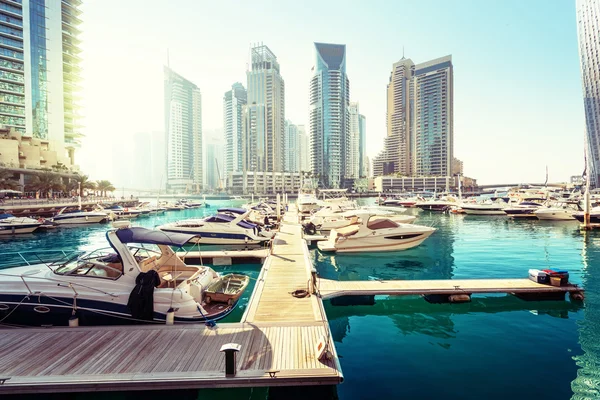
(148, 264)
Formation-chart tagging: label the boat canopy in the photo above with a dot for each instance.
(233, 210)
(143, 235)
(222, 218)
(5, 216)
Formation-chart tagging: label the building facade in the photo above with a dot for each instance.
(393, 184)
(265, 183)
(304, 151)
(329, 99)
(420, 128)
(234, 101)
(264, 114)
(588, 29)
(183, 129)
(39, 72)
(354, 160)
(362, 147)
(292, 147)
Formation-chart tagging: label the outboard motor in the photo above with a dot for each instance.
(309, 228)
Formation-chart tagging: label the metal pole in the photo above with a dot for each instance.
(278, 207)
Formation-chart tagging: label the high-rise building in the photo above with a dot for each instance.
(214, 159)
(183, 133)
(353, 164)
(39, 68)
(364, 160)
(264, 124)
(304, 151)
(292, 147)
(234, 101)
(329, 98)
(420, 129)
(588, 28)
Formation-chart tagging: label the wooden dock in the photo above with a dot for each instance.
(331, 289)
(278, 334)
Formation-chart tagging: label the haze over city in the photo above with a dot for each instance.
(517, 85)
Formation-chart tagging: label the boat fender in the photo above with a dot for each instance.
(310, 229)
(170, 316)
(73, 321)
(300, 293)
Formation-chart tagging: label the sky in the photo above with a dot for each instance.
(517, 89)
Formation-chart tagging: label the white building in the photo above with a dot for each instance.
(354, 160)
(304, 148)
(292, 147)
(262, 183)
(183, 127)
(234, 101)
(39, 72)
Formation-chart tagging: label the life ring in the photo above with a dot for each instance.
(300, 293)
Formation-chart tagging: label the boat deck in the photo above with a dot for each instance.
(278, 334)
(330, 289)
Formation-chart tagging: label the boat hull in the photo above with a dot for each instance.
(373, 244)
(18, 229)
(555, 215)
(80, 220)
(483, 211)
(218, 237)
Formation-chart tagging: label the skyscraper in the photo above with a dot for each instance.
(329, 98)
(183, 129)
(39, 67)
(292, 147)
(264, 124)
(304, 151)
(588, 28)
(214, 159)
(364, 161)
(233, 103)
(420, 130)
(353, 164)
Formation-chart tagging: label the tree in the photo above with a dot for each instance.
(104, 186)
(45, 182)
(71, 187)
(7, 180)
(84, 183)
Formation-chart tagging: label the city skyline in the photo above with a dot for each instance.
(484, 99)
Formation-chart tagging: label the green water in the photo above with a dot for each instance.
(495, 347)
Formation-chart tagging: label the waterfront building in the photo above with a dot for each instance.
(420, 129)
(588, 28)
(183, 130)
(264, 183)
(264, 115)
(457, 166)
(292, 147)
(387, 184)
(234, 101)
(354, 160)
(39, 71)
(329, 99)
(18, 151)
(304, 151)
(362, 147)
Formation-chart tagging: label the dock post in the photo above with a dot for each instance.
(230, 350)
(313, 281)
(278, 207)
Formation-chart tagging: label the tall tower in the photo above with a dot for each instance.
(292, 147)
(39, 67)
(264, 134)
(588, 28)
(329, 98)
(353, 163)
(362, 147)
(183, 133)
(233, 103)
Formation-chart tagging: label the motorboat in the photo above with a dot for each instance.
(341, 219)
(307, 202)
(228, 226)
(11, 225)
(487, 207)
(524, 209)
(439, 205)
(103, 287)
(373, 233)
(594, 215)
(118, 212)
(558, 211)
(77, 217)
(190, 203)
(228, 289)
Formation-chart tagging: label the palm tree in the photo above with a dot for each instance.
(45, 182)
(104, 186)
(7, 180)
(71, 186)
(84, 183)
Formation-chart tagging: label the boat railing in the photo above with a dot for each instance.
(31, 257)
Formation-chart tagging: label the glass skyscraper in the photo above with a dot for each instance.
(183, 133)
(234, 101)
(39, 61)
(588, 27)
(329, 99)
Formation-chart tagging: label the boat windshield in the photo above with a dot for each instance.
(102, 263)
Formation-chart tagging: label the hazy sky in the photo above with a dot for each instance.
(517, 91)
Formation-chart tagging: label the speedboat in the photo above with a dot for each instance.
(190, 203)
(11, 225)
(436, 205)
(341, 219)
(78, 217)
(594, 215)
(372, 233)
(524, 209)
(485, 208)
(558, 212)
(228, 226)
(307, 202)
(104, 287)
(118, 212)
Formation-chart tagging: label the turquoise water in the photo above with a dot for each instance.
(495, 347)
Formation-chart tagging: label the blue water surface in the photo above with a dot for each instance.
(495, 347)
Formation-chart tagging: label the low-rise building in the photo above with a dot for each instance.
(264, 182)
(17, 151)
(413, 183)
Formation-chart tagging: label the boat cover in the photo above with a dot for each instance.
(233, 210)
(5, 216)
(143, 235)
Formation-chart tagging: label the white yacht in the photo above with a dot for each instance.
(489, 207)
(228, 226)
(104, 286)
(307, 202)
(78, 217)
(335, 219)
(560, 211)
(118, 212)
(374, 233)
(11, 225)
